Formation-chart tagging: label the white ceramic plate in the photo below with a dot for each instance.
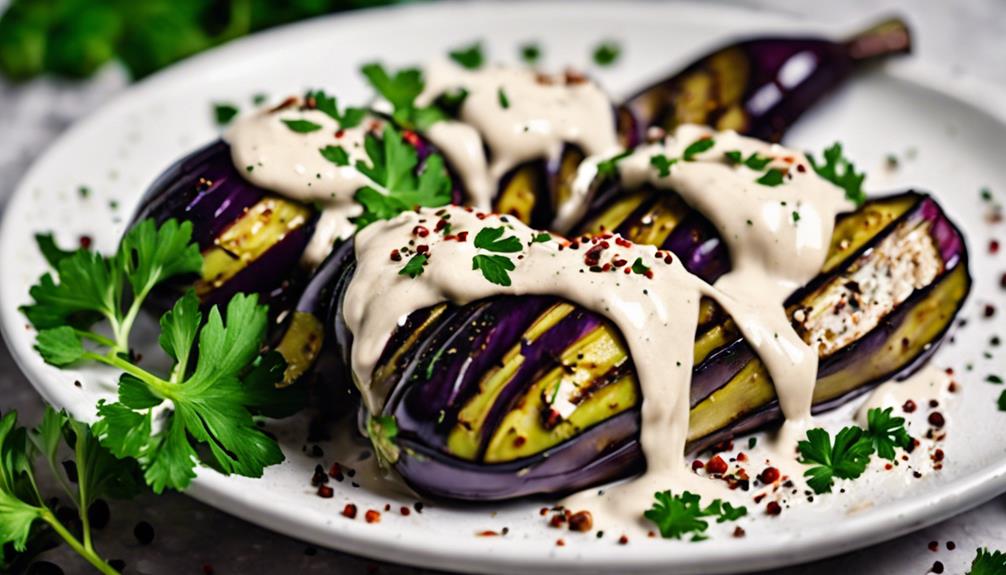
(948, 127)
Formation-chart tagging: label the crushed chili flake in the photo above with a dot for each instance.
(86, 242)
(420, 231)
(989, 310)
(769, 475)
(325, 492)
(387, 507)
(557, 520)
(422, 249)
(773, 508)
(349, 511)
(994, 246)
(934, 546)
(396, 256)
(543, 511)
(697, 465)
(372, 516)
(581, 521)
(936, 419)
(335, 472)
(319, 477)
(933, 403)
(405, 511)
(487, 533)
(909, 406)
(560, 543)
(739, 532)
(716, 465)
(938, 455)
(623, 540)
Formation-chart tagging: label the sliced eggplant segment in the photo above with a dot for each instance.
(518, 396)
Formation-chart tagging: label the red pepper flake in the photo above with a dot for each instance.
(557, 520)
(560, 543)
(441, 224)
(543, 511)
(769, 475)
(618, 262)
(405, 511)
(909, 406)
(952, 388)
(396, 256)
(937, 420)
(335, 472)
(411, 137)
(387, 507)
(739, 532)
(1002, 281)
(620, 241)
(651, 534)
(989, 311)
(758, 498)
(801, 168)
(933, 404)
(86, 242)
(349, 511)
(888, 466)
(742, 456)
(716, 466)
(994, 246)
(422, 249)
(581, 521)
(938, 455)
(462, 236)
(372, 516)
(421, 231)
(697, 465)
(340, 133)
(773, 508)
(325, 492)
(934, 546)
(487, 533)
(668, 259)
(319, 477)
(623, 540)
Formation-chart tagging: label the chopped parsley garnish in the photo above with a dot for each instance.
(223, 113)
(414, 267)
(988, 563)
(495, 268)
(335, 154)
(392, 167)
(401, 91)
(993, 378)
(986, 194)
(491, 239)
(259, 99)
(530, 53)
(697, 147)
(504, 101)
(348, 118)
(302, 126)
(29, 517)
(754, 161)
(1002, 401)
(679, 515)
(887, 432)
(796, 216)
(663, 164)
(470, 57)
(772, 178)
(609, 167)
(840, 171)
(212, 398)
(638, 267)
(846, 459)
(541, 237)
(606, 53)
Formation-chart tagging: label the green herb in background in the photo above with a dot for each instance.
(28, 516)
(73, 39)
(679, 515)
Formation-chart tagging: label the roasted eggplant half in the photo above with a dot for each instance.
(516, 396)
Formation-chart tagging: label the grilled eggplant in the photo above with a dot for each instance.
(515, 396)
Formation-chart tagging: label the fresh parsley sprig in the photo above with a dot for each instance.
(393, 169)
(495, 267)
(849, 455)
(212, 399)
(470, 57)
(837, 169)
(347, 118)
(679, 515)
(26, 514)
(988, 563)
(401, 90)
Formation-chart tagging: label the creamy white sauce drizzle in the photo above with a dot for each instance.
(289, 163)
(778, 238)
(540, 115)
(926, 384)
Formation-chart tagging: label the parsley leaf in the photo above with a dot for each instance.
(1002, 401)
(541, 237)
(349, 118)
(223, 113)
(771, 178)
(663, 164)
(495, 268)
(679, 515)
(414, 267)
(988, 563)
(609, 167)
(489, 239)
(530, 53)
(392, 167)
(470, 57)
(302, 126)
(504, 101)
(401, 91)
(840, 171)
(887, 432)
(606, 53)
(638, 267)
(53, 254)
(846, 459)
(697, 147)
(335, 154)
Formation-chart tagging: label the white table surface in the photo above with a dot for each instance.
(965, 36)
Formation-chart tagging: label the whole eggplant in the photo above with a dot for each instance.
(757, 87)
(474, 387)
(251, 239)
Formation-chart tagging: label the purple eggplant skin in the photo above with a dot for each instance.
(758, 87)
(609, 450)
(206, 189)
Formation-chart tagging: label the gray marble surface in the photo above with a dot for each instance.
(966, 36)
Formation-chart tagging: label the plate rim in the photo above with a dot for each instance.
(218, 490)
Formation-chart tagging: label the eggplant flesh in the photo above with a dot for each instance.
(516, 396)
